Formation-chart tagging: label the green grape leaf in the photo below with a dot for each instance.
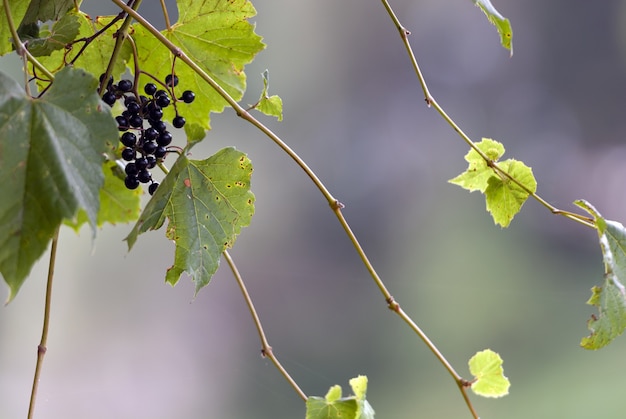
(477, 175)
(207, 203)
(50, 165)
(269, 105)
(18, 10)
(118, 204)
(610, 298)
(489, 379)
(49, 39)
(218, 37)
(504, 197)
(334, 406)
(501, 23)
(95, 58)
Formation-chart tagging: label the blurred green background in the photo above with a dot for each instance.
(123, 344)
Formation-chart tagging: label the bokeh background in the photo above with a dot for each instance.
(123, 344)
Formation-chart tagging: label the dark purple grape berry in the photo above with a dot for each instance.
(155, 113)
(141, 163)
(150, 88)
(171, 81)
(163, 101)
(122, 123)
(149, 147)
(158, 125)
(165, 138)
(131, 182)
(188, 96)
(151, 161)
(144, 176)
(133, 107)
(125, 85)
(153, 187)
(179, 121)
(135, 121)
(160, 152)
(129, 154)
(151, 134)
(160, 93)
(131, 169)
(109, 98)
(128, 139)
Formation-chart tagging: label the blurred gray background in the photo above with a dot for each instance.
(123, 344)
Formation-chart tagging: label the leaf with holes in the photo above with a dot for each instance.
(207, 203)
(218, 37)
(610, 298)
(50, 165)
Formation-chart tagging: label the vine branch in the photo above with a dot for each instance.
(334, 203)
(42, 348)
(430, 101)
(266, 349)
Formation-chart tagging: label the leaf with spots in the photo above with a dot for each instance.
(501, 23)
(207, 203)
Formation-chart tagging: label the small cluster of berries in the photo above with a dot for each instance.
(144, 146)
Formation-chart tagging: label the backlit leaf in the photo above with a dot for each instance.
(269, 105)
(489, 379)
(218, 37)
(18, 10)
(50, 165)
(504, 198)
(334, 406)
(207, 203)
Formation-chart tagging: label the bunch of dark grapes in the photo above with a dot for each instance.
(144, 144)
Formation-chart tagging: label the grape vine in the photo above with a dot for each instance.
(103, 101)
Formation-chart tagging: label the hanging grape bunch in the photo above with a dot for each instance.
(144, 146)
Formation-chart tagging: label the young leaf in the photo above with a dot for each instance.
(504, 197)
(96, 56)
(489, 379)
(333, 406)
(219, 38)
(207, 203)
(477, 175)
(611, 297)
(501, 23)
(50, 165)
(269, 105)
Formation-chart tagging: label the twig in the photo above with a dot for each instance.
(42, 348)
(266, 349)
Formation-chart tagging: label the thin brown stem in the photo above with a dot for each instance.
(266, 349)
(42, 347)
(166, 15)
